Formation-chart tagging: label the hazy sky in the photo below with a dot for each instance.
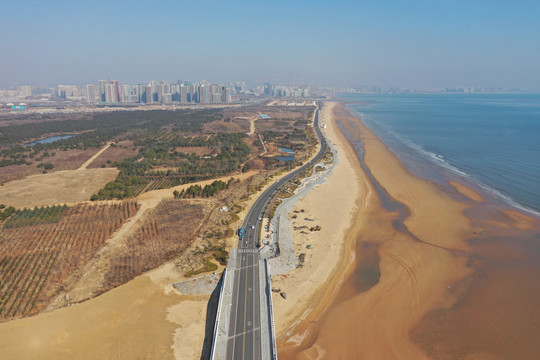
(402, 43)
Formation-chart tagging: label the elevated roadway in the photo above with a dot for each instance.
(249, 335)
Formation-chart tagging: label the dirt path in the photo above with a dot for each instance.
(252, 125)
(96, 155)
(262, 143)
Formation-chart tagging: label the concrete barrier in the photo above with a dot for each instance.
(218, 316)
(219, 342)
(270, 312)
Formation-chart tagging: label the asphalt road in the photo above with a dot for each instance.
(245, 323)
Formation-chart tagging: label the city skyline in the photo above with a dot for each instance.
(343, 43)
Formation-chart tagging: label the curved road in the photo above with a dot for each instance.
(244, 340)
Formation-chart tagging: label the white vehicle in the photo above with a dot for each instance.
(253, 226)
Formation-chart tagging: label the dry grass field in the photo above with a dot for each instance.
(62, 160)
(59, 187)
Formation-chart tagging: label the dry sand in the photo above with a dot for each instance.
(138, 320)
(59, 187)
(332, 209)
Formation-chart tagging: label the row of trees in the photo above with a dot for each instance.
(206, 191)
(37, 215)
(36, 261)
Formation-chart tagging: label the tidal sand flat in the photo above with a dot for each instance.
(435, 275)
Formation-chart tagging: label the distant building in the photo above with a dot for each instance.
(183, 94)
(116, 84)
(110, 94)
(267, 89)
(91, 94)
(175, 92)
(68, 91)
(25, 91)
(101, 90)
(149, 95)
(125, 94)
(203, 97)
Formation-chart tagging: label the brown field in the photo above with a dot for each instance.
(67, 186)
(199, 150)
(36, 260)
(63, 160)
(114, 153)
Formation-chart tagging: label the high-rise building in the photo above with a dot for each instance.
(162, 88)
(175, 92)
(68, 91)
(110, 94)
(226, 95)
(125, 94)
(90, 94)
(101, 90)
(141, 93)
(166, 98)
(25, 91)
(149, 98)
(191, 93)
(267, 89)
(183, 94)
(203, 97)
(116, 84)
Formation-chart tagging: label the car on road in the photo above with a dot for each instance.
(253, 226)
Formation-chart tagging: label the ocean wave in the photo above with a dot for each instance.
(397, 143)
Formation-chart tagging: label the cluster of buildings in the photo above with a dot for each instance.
(112, 92)
(155, 92)
(283, 91)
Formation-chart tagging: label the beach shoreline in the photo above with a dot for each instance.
(417, 242)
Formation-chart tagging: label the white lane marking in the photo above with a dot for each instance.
(243, 333)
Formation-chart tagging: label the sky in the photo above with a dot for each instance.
(409, 44)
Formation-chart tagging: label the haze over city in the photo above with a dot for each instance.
(339, 43)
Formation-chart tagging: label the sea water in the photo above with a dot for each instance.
(492, 140)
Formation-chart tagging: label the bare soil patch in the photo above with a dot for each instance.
(199, 150)
(63, 160)
(59, 187)
(116, 152)
(130, 322)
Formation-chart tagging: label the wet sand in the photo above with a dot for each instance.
(434, 276)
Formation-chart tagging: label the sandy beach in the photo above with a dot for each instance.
(327, 258)
(416, 254)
